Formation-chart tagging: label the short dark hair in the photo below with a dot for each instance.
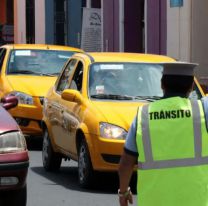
(177, 83)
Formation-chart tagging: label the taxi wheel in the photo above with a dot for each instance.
(51, 160)
(85, 170)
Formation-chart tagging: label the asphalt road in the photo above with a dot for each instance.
(62, 189)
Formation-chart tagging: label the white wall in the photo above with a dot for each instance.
(19, 21)
(200, 36)
(187, 34)
(179, 31)
(39, 21)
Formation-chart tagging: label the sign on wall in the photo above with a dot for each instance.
(176, 3)
(91, 30)
(8, 33)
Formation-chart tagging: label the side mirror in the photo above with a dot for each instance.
(72, 96)
(9, 102)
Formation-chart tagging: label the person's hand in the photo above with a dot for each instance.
(125, 200)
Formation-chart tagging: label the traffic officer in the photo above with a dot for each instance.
(168, 141)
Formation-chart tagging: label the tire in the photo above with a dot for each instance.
(15, 197)
(51, 160)
(85, 170)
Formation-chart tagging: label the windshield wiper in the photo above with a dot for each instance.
(125, 97)
(47, 74)
(112, 96)
(55, 73)
(30, 72)
(148, 98)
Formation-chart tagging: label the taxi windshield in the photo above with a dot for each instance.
(125, 80)
(37, 62)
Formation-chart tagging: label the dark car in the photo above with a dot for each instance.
(14, 158)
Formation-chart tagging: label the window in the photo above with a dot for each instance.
(30, 21)
(111, 78)
(96, 3)
(37, 62)
(64, 80)
(2, 55)
(60, 21)
(84, 3)
(77, 78)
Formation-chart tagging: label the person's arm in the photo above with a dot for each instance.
(126, 168)
(205, 108)
(127, 163)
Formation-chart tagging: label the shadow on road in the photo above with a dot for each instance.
(68, 177)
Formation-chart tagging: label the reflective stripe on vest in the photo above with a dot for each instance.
(151, 164)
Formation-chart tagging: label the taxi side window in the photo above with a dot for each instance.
(64, 79)
(2, 55)
(77, 78)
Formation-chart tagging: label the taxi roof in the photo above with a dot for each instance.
(41, 46)
(125, 57)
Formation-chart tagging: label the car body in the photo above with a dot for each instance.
(88, 121)
(14, 158)
(28, 71)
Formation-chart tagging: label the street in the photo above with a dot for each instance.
(62, 189)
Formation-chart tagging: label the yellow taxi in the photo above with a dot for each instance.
(88, 112)
(27, 72)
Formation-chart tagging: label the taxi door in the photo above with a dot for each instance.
(58, 122)
(71, 116)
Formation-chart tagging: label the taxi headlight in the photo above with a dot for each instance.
(111, 131)
(23, 98)
(12, 142)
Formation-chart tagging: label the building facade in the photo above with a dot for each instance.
(176, 28)
(134, 26)
(124, 24)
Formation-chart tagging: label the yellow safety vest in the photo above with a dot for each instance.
(172, 141)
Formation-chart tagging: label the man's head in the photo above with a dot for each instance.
(178, 77)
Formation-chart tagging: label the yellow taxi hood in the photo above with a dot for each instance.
(118, 113)
(33, 85)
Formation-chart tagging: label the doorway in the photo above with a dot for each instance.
(134, 24)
